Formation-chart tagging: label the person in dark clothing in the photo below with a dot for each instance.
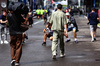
(15, 21)
(48, 11)
(93, 20)
(3, 21)
(45, 17)
(71, 13)
(30, 18)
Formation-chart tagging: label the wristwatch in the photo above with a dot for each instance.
(3, 4)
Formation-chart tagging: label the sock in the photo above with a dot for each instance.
(92, 38)
(75, 39)
(68, 38)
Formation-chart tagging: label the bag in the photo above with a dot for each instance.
(24, 27)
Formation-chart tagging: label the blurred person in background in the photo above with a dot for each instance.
(93, 20)
(3, 22)
(71, 12)
(38, 13)
(41, 13)
(45, 16)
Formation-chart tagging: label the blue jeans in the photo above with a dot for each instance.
(70, 29)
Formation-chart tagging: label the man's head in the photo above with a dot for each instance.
(59, 6)
(4, 12)
(10, 8)
(93, 9)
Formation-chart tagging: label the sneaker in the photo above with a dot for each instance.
(62, 55)
(1, 42)
(44, 43)
(3, 34)
(68, 40)
(23, 42)
(54, 57)
(76, 41)
(94, 39)
(13, 62)
(6, 42)
(30, 25)
(16, 64)
(26, 37)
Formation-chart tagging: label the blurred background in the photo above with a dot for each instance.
(82, 5)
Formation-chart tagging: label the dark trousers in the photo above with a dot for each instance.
(16, 47)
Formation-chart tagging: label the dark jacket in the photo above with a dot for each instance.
(14, 23)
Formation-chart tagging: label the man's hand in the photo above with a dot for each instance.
(66, 32)
(97, 18)
(6, 21)
(44, 31)
(45, 28)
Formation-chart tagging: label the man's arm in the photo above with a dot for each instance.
(45, 28)
(65, 23)
(1, 17)
(3, 21)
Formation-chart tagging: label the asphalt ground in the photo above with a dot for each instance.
(84, 53)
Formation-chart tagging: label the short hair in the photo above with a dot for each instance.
(59, 6)
(93, 9)
(10, 7)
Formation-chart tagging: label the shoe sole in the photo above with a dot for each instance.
(13, 63)
(68, 41)
(93, 41)
(62, 56)
(76, 42)
(54, 57)
(17, 64)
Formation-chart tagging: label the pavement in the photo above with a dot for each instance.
(84, 53)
